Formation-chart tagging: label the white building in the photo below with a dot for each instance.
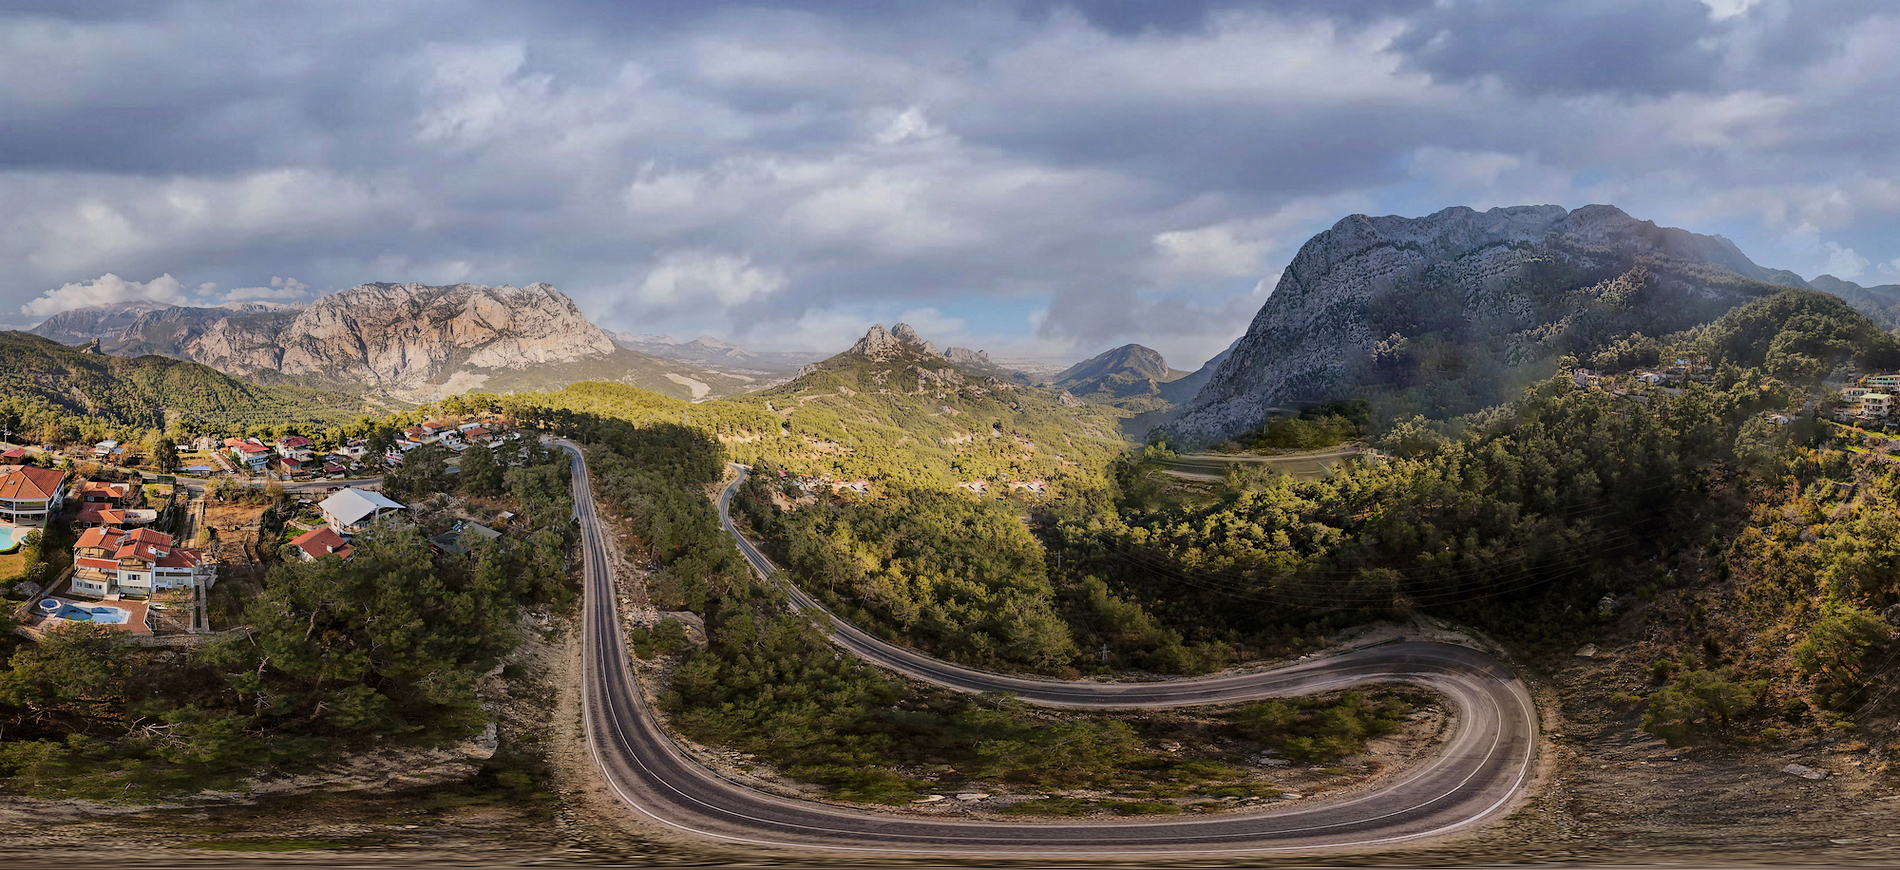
(110, 561)
(349, 510)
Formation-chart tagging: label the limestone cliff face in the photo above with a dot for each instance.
(1480, 299)
(404, 336)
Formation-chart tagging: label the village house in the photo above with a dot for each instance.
(252, 453)
(1876, 405)
(296, 447)
(320, 542)
(111, 561)
(105, 492)
(29, 495)
(1034, 487)
(102, 503)
(350, 510)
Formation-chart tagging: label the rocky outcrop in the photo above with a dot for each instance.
(880, 345)
(406, 336)
(1480, 300)
(964, 356)
(400, 338)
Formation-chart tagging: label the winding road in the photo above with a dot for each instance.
(1475, 775)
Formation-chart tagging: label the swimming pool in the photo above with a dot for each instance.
(60, 608)
(10, 538)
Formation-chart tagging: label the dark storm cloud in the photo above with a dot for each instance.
(1618, 46)
(1125, 170)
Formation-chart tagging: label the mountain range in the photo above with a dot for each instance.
(1439, 315)
(410, 342)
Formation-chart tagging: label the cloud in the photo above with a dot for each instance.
(105, 289)
(1843, 262)
(695, 277)
(1132, 170)
(280, 290)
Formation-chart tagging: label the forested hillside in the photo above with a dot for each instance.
(56, 393)
(1753, 557)
(854, 418)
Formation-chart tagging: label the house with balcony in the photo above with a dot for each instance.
(29, 495)
(296, 447)
(252, 453)
(110, 561)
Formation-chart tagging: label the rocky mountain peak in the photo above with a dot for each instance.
(1364, 304)
(880, 345)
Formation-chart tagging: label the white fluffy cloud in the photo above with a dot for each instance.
(105, 289)
(1842, 262)
(695, 277)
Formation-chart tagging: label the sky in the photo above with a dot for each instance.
(1044, 180)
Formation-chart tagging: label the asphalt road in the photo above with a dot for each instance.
(1486, 762)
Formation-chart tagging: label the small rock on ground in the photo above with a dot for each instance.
(1804, 771)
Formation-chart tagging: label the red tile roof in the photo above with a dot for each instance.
(31, 483)
(321, 541)
(294, 441)
(100, 514)
(101, 537)
(97, 564)
(100, 487)
(181, 559)
(248, 447)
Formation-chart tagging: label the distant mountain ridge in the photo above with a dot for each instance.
(709, 352)
(1881, 303)
(1452, 312)
(414, 342)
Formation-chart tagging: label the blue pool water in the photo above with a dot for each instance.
(83, 612)
(7, 540)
